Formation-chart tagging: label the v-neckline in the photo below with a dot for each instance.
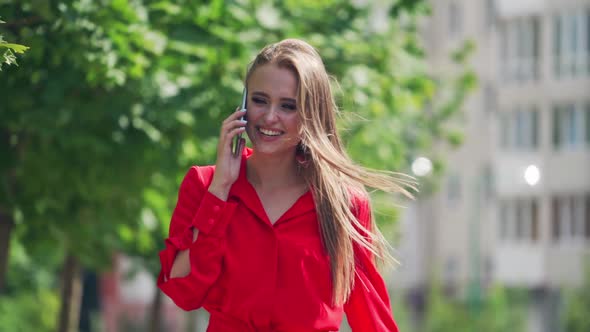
(285, 213)
(243, 190)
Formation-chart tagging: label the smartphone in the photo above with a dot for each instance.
(238, 137)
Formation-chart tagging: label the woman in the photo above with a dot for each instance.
(280, 238)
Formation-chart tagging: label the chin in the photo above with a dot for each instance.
(273, 150)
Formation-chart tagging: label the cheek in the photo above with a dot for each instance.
(249, 127)
(295, 130)
(295, 123)
(253, 113)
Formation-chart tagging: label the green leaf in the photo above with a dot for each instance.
(15, 47)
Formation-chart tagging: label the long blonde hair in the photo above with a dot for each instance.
(334, 178)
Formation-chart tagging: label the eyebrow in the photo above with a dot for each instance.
(263, 94)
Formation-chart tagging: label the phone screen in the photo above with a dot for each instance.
(238, 137)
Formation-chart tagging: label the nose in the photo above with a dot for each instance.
(272, 114)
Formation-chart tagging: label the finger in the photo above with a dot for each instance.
(230, 135)
(240, 113)
(227, 127)
(227, 139)
(233, 124)
(235, 115)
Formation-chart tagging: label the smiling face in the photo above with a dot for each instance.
(273, 119)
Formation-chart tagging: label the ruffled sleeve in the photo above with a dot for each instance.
(368, 308)
(196, 208)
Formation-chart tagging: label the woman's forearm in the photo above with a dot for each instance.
(182, 266)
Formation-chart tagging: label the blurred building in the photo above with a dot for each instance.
(514, 207)
(127, 296)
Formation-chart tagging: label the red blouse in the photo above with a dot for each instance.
(252, 275)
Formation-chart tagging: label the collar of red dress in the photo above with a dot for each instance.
(243, 191)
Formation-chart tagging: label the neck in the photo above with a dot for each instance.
(272, 172)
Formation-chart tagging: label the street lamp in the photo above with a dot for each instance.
(421, 166)
(532, 175)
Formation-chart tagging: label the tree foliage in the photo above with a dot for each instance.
(577, 305)
(32, 303)
(501, 310)
(8, 51)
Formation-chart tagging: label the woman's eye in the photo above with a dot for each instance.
(290, 107)
(258, 100)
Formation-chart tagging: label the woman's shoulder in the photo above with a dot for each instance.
(359, 199)
(201, 174)
(360, 206)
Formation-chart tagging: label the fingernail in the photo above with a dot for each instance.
(243, 110)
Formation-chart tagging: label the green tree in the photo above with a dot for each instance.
(79, 146)
(501, 309)
(33, 305)
(9, 50)
(577, 306)
(115, 100)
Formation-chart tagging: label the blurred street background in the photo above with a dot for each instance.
(104, 105)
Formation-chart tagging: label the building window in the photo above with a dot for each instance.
(489, 189)
(565, 217)
(571, 132)
(555, 221)
(455, 19)
(504, 222)
(519, 210)
(571, 218)
(490, 13)
(522, 128)
(519, 220)
(505, 131)
(519, 129)
(534, 220)
(519, 47)
(534, 133)
(571, 43)
(578, 217)
(571, 126)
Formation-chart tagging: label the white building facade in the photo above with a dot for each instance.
(514, 207)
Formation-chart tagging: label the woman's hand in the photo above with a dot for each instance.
(227, 167)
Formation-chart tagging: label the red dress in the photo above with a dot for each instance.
(252, 275)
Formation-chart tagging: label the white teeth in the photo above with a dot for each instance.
(269, 132)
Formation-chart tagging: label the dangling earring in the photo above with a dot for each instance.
(302, 156)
